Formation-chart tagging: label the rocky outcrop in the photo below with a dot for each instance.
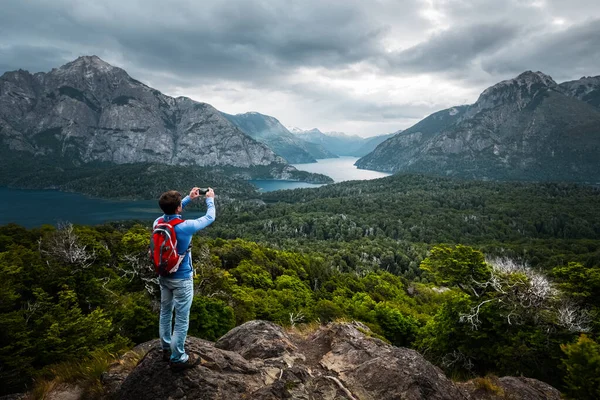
(508, 387)
(89, 110)
(270, 131)
(259, 360)
(404, 147)
(526, 128)
(586, 89)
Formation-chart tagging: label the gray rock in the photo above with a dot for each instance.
(221, 375)
(373, 369)
(259, 360)
(92, 111)
(526, 128)
(586, 89)
(257, 339)
(508, 387)
(270, 131)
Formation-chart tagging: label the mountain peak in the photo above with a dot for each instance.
(340, 134)
(528, 80)
(518, 91)
(530, 76)
(118, 119)
(92, 62)
(586, 89)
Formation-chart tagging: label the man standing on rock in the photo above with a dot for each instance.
(177, 289)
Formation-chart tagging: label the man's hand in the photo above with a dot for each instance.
(210, 193)
(194, 193)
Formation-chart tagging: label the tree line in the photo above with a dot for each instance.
(479, 277)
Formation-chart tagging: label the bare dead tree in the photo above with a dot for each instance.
(524, 294)
(574, 318)
(65, 246)
(137, 265)
(457, 358)
(473, 317)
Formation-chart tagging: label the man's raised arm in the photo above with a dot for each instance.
(193, 194)
(194, 225)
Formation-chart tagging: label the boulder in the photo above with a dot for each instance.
(257, 339)
(508, 387)
(259, 360)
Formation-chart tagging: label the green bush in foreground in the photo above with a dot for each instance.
(582, 365)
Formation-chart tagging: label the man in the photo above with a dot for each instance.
(177, 290)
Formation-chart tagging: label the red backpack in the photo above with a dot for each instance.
(163, 247)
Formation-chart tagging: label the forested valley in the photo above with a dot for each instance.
(480, 277)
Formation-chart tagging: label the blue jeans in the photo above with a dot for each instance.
(175, 294)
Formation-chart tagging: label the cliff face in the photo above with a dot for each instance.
(586, 89)
(270, 131)
(258, 360)
(526, 128)
(88, 110)
(402, 148)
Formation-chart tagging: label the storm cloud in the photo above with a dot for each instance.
(362, 67)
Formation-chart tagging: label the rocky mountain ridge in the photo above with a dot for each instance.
(586, 89)
(340, 143)
(270, 131)
(260, 360)
(526, 128)
(89, 110)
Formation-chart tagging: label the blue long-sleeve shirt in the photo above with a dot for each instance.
(184, 232)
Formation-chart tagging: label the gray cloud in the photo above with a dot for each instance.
(267, 45)
(227, 40)
(31, 58)
(453, 50)
(564, 54)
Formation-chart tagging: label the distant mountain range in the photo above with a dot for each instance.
(270, 131)
(586, 89)
(88, 110)
(341, 143)
(300, 146)
(526, 128)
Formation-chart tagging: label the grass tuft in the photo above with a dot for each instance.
(489, 384)
(85, 373)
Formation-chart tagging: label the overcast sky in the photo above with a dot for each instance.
(363, 67)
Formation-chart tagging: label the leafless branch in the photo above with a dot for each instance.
(457, 357)
(31, 309)
(296, 317)
(473, 317)
(574, 318)
(64, 245)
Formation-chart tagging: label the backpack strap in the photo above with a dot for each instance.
(174, 222)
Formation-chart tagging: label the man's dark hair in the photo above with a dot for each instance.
(169, 201)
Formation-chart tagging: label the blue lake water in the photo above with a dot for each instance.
(339, 169)
(32, 208)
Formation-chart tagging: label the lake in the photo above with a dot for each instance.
(37, 207)
(339, 169)
(32, 208)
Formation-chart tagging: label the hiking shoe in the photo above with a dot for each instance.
(166, 355)
(191, 362)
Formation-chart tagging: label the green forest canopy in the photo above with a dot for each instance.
(413, 257)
